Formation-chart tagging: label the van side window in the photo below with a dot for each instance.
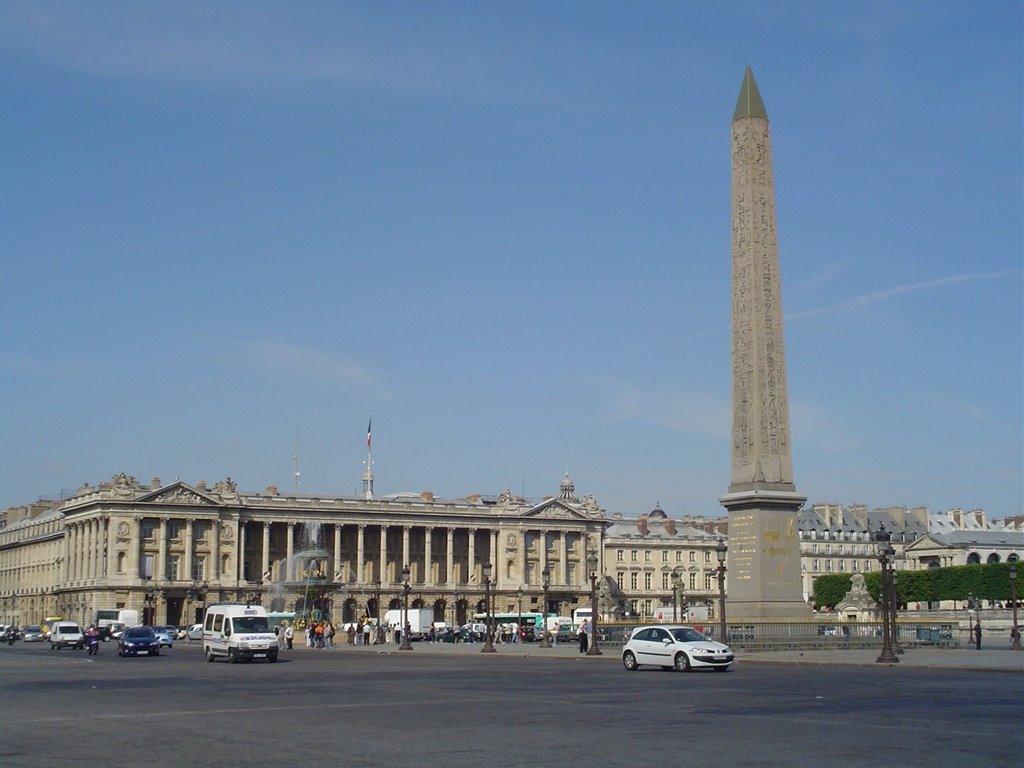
(218, 621)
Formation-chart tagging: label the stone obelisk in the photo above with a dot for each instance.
(764, 548)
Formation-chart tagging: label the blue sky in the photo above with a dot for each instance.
(503, 228)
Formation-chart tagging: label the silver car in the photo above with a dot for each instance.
(675, 647)
(167, 635)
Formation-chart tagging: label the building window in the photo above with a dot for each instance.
(647, 556)
(198, 568)
(816, 568)
(828, 566)
(647, 581)
(122, 560)
(693, 557)
(620, 579)
(679, 556)
(693, 581)
(707, 556)
(146, 571)
(707, 581)
(634, 556)
(620, 555)
(842, 566)
(664, 556)
(174, 530)
(172, 568)
(149, 529)
(632, 581)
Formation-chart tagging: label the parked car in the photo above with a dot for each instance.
(66, 634)
(681, 648)
(167, 634)
(138, 640)
(195, 632)
(32, 633)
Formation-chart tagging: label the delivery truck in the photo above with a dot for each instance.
(420, 620)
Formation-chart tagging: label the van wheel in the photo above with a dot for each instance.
(209, 654)
(272, 658)
(232, 656)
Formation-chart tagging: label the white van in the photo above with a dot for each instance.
(238, 632)
(66, 634)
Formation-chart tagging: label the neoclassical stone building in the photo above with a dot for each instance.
(649, 558)
(167, 550)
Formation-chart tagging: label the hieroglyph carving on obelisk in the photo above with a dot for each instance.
(760, 436)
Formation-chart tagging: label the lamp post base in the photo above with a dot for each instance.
(887, 657)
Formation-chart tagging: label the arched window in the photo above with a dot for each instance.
(993, 558)
(1012, 558)
(973, 559)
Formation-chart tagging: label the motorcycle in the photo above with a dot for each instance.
(11, 637)
(92, 644)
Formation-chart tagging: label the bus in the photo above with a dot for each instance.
(530, 620)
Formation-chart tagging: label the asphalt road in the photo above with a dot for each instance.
(342, 708)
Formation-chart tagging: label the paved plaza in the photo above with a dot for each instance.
(452, 706)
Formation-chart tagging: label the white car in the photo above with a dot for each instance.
(674, 647)
(195, 632)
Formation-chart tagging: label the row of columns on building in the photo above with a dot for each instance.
(88, 544)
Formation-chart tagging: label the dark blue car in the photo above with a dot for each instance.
(138, 640)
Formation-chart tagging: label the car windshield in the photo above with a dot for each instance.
(687, 635)
(139, 632)
(70, 629)
(251, 624)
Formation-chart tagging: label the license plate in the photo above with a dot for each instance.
(258, 655)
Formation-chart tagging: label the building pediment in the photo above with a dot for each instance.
(180, 493)
(554, 509)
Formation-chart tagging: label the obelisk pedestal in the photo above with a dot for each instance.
(762, 502)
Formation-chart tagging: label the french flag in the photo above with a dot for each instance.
(369, 436)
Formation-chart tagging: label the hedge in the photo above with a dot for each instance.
(987, 582)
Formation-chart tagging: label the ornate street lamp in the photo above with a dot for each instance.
(893, 608)
(675, 594)
(545, 576)
(720, 550)
(376, 611)
(489, 642)
(885, 552)
(406, 589)
(593, 650)
(1014, 629)
(519, 626)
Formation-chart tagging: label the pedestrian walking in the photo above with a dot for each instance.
(289, 636)
(584, 635)
(977, 635)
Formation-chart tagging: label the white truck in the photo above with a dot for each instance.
(686, 614)
(420, 620)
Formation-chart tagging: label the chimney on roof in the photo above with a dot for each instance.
(272, 490)
(641, 525)
(154, 483)
(427, 495)
(670, 526)
(201, 485)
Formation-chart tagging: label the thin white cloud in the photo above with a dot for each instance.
(268, 49)
(867, 299)
(966, 410)
(65, 370)
(671, 409)
(297, 361)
